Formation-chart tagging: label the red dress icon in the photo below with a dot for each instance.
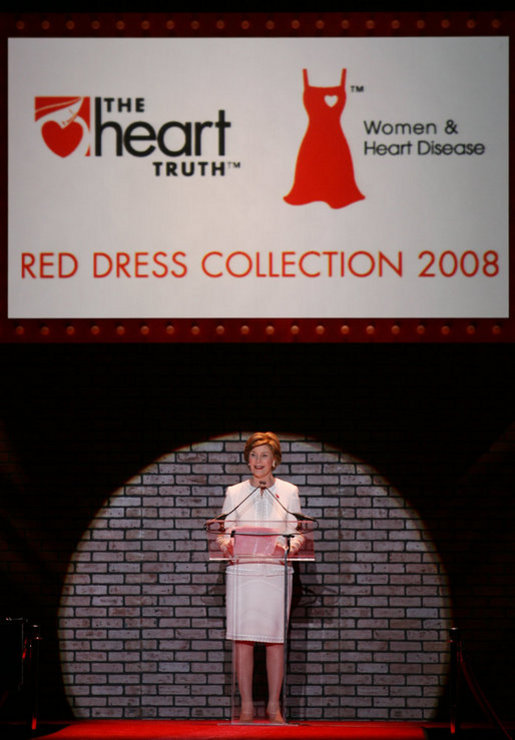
(324, 169)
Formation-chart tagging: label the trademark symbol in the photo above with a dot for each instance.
(234, 165)
(357, 88)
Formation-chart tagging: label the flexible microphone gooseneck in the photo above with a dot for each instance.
(222, 517)
(261, 487)
(298, 516)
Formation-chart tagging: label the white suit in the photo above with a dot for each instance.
(256, 590)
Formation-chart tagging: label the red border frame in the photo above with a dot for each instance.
(283, 24)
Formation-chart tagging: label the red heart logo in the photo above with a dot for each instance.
(62, 141)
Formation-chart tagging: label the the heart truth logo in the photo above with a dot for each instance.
(64, 123)
(78, 126)
(324, 170)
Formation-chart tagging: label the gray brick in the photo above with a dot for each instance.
(144, 620)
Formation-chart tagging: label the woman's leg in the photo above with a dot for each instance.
(244, 665)
(275, 672)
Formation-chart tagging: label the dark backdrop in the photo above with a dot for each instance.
(437, 420)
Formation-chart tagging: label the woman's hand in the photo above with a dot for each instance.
(226, 545)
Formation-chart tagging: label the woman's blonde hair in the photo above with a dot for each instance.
(263, 438)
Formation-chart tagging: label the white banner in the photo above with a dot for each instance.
(230, 178)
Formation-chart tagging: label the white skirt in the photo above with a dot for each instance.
(255, 602)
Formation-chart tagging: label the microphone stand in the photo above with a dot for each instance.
(285, 623)
(288, 536)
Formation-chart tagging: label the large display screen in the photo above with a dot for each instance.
(255, 178)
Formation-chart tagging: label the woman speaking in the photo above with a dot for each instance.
(255, 585)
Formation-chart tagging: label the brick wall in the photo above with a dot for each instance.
(141, 624)
(140, 628)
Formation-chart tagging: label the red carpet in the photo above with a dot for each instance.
(211, 730)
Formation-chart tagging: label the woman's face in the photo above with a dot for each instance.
(261, 463)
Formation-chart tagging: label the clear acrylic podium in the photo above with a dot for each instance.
(276, 543)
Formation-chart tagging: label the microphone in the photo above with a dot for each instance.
(302, 517)
(262, 486)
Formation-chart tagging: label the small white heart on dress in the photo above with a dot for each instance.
(331, 100)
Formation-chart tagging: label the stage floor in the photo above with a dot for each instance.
(211, 730)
